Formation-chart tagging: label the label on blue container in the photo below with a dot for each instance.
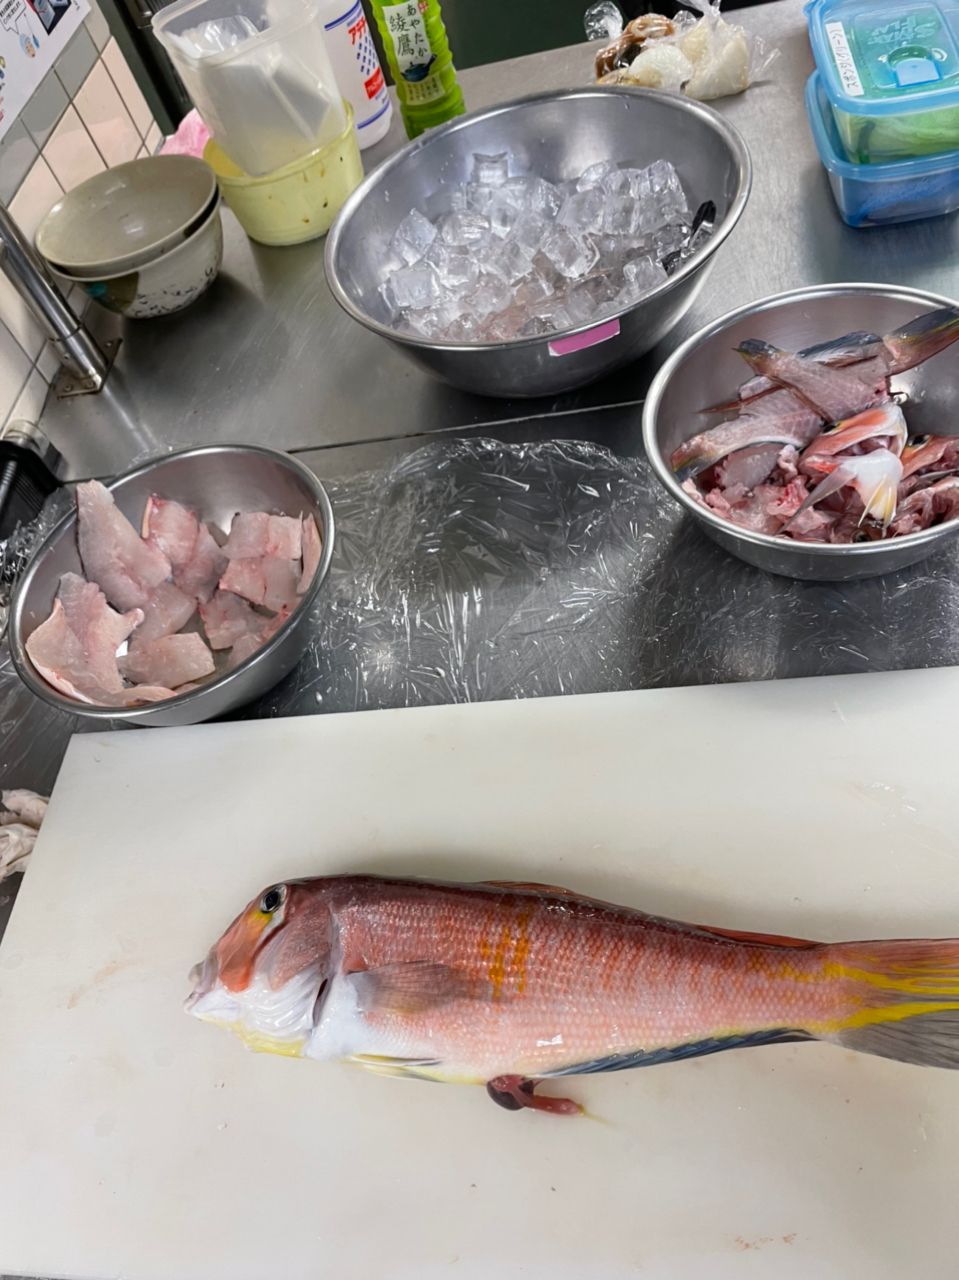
(845, 62)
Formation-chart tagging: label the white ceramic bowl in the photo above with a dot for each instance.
(123, 218)
(168, 283)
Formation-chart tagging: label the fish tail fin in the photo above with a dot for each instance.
(903, 1000)
(923, 337)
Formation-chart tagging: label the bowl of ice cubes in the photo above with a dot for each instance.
(533, 247)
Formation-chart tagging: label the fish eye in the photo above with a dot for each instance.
(271, 900)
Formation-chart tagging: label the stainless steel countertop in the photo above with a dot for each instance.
(268, 357)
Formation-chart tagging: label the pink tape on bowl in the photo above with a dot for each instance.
(588, 338)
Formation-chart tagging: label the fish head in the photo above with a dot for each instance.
(265, 978)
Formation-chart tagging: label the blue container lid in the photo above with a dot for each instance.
(879, 58)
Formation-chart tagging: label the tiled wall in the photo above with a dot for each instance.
(86, 115)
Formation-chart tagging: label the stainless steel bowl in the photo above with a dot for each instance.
(706, 369)
(555, 135)
(217, 481)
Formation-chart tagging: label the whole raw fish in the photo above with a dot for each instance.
(508, 984)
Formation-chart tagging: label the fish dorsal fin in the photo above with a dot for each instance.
(532, 886)
(554, 891)
(412, 987)
(761, 939)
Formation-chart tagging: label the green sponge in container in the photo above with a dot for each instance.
(891, 75)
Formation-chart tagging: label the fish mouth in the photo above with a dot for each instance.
(208, 999)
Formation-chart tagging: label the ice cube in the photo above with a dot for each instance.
(544, 198)
(535, 327)
(595, 174)
(624, 182)
(581, 305)
(570, 254)
(464, 328)
(532, 290)
(490, 295)
(502, 213)
(528, 231)
(672, 238)
(665, 188)
(503, 327)
(478, 197)
(490, 170)
(414, 287)
(510, 260)
(464, 228)
(640, 275)
(413, 237)
(583, 211)
(620, 215)
(456, 268)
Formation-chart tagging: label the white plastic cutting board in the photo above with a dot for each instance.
(138, 1142)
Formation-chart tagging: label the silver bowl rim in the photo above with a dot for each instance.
(713, 119)
(139, 713)
(770, 541)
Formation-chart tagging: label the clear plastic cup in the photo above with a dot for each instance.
(258, 73)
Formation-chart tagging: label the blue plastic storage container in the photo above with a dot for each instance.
(891, 73)
(872, 195)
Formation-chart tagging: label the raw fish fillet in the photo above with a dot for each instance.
(169, 661)
(75, 648)
(227, 618)
(199, 576)
(114, 556)
(245, 648)
(312, 550)
(171, 528)
(196, 559)
(256, 534)
(166, 610)
(264, 580)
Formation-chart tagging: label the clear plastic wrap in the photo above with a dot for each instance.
(472, 570)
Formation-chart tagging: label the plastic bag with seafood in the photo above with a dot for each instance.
(705, 58)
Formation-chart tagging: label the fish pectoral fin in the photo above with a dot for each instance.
(412, 987)
(515, 1093)
(383, 1064)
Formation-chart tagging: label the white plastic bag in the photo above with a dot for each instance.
(705, 57)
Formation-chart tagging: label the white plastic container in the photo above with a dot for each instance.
(356, 65)
(259, 74)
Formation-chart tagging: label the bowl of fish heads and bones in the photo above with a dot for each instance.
(717, 366)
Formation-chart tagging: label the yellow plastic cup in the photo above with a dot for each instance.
(297, 202)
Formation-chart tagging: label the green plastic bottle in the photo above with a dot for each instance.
(420, 61)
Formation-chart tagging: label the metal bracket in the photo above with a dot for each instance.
(67, 384)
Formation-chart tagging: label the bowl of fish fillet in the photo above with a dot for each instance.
(177, 592)
(815, 434)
